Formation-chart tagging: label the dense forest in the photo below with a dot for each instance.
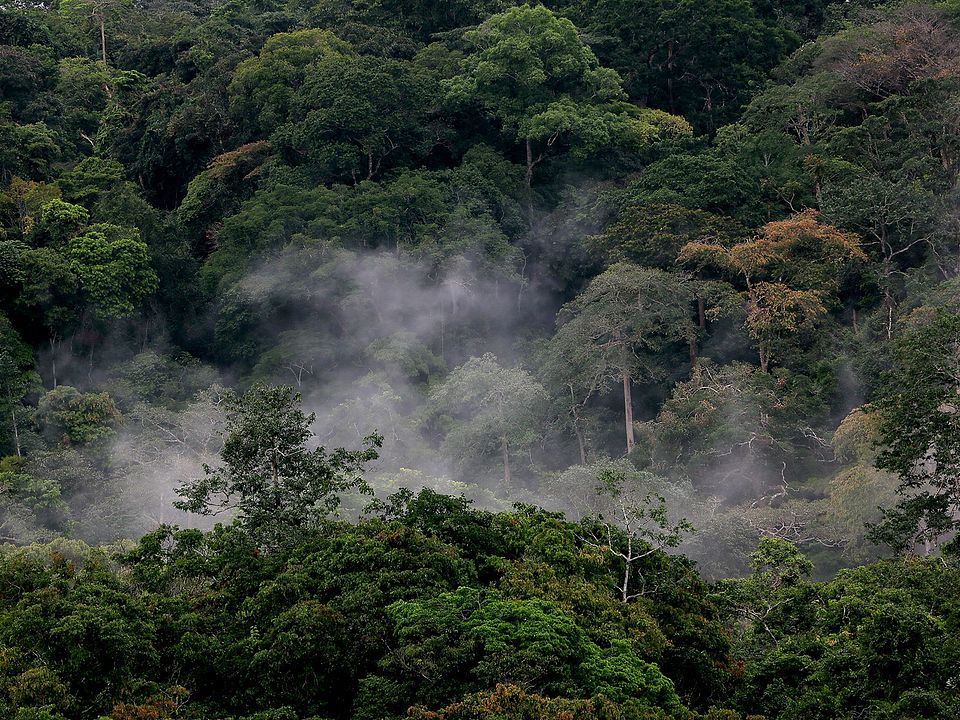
(577, 359)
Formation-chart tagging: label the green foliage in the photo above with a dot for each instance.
(263, 87)
(354, 118)
(622, 327)
(60, 221)
(498, 410)
(670, 54)
(112, 265)
(268, 477)
(70, 416)
(746, 214)
(90, 178)
(529, 69)
(919, 428)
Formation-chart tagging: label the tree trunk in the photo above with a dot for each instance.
(90, 363)
(103, 38)
(764, 359)
(53, 358)
(506, 463)
(628, 411)
(701, 312)
(888, 271)
(694, 352)
(888, 307)
(580, 444)
(275, 475)
(530, 165)
(625, 590)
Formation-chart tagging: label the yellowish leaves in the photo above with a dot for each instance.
(791, 269)
(23, 199)
(775, 308)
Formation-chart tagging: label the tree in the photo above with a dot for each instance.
(530, 69)
(531, 642)
(706, 180)
(262, 88)
(51, 289)
(70, 417)
(699, 59)
(489, 408)
(778, 571)
(653, 235)
(621, 324)
(354, 117)
(60, 221)
(893, 216)
(919, 428)
(895, 48)
(17, 377)
(737, 432)
(790, 270)
(23, 201)
(635, 526)
(98, 12)
(112, 265)
(268, 477)
(90, 179)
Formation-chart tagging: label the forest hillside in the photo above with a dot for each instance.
(479, 359)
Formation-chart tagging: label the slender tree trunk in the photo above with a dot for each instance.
(701, 312)
(16, 432)
(888, 308)
(764, 359)
(581, 445)
(888, 270)
(53, 358)
(628, 410)
(694, 352)
(506, 463)
(530, 165)
(625, 590)
(103, 39)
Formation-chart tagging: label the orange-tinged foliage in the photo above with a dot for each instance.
(802, 248)
(908, 43)
(510, 701)
(163, 706)
(792, 269)
(775, 307)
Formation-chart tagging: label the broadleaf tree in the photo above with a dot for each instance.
(269, 477)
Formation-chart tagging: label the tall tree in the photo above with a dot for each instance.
(531, 70)
(99, 13)
(618, 327)
(269, 477)
(918, 408)
(491, 408)
(791, 270)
